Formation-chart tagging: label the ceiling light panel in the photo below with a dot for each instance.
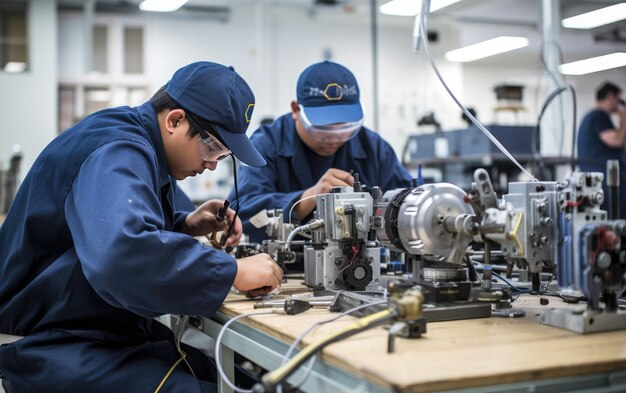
(594, 64)
(412, 7)
(596, 18)
(492, 47)
(161, 5)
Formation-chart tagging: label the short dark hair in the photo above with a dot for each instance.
(162, 101)
(606, 89)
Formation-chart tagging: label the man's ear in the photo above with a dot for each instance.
(173, 119)
(295, 109)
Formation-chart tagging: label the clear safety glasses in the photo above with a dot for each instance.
(209, 147)
(340, 132)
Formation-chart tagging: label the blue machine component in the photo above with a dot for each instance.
(471, 142)
(584, 260)
(565, 272)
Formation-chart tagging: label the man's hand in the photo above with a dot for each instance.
(615, 138)
(257, 275)
(203, 221)
(332, 178)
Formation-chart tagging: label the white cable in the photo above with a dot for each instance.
(218, 341)
(218, 352)
(299, 339)
(182, 322)
(424, 37)
(303, 199)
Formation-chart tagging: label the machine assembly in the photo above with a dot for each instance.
(557, 227)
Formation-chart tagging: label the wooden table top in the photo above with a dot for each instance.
(454, 354)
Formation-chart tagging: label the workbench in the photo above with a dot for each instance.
(503, 354)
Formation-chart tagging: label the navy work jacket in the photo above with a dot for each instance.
(288, 174)
(593, 154)
(91, 242)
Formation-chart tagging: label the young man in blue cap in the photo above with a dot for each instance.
(314, 148)
(99, 241)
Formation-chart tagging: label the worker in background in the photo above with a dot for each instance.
(315, 147)
(99, 241)
(599, 140)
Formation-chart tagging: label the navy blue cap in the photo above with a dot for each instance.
(329, 94)
(218, 95)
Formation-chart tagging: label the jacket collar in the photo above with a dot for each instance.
(354, 147)
(151, 124)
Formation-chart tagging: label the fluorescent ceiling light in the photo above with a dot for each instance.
(14, 66)
(594, 64)
(161, 5)
(491, 47)
(412, 7)
(596, 18)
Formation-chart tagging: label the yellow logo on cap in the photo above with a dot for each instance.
(339, 89)
(248, 113)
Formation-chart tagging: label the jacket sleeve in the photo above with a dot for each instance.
(117, 224)
(182, 206)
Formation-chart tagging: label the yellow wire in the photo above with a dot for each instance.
(169, 372)
(274, 377)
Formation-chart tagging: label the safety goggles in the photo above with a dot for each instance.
(209, 147)
(340, 132)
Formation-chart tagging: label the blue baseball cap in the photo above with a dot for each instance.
(329, 94)
(219, 96)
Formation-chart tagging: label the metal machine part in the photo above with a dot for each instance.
(561, 225)
(612, 182)
(332, 268)
(433, 225)
(276, 246)
(430, 220)
(602, 249)
(340, 255)
(579, 200)
(278, 232)
(525, 227)
(277, 228)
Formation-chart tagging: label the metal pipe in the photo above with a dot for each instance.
(311, 226)
(374, 26)
(612, 182)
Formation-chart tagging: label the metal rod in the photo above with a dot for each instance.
(374, 29)
(612, 182)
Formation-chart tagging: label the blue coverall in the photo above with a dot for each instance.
(90, 253)
(289, 173)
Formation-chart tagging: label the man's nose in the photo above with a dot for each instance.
(210, 165)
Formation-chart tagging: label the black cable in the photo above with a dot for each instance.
(537, 134)
(405, 148)
(555, 77)
(471, 270)
(232, 224)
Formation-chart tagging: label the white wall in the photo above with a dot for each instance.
(270, 43)
(29, 99)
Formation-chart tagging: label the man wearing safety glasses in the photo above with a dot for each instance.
(314, 148)
(99, 241)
